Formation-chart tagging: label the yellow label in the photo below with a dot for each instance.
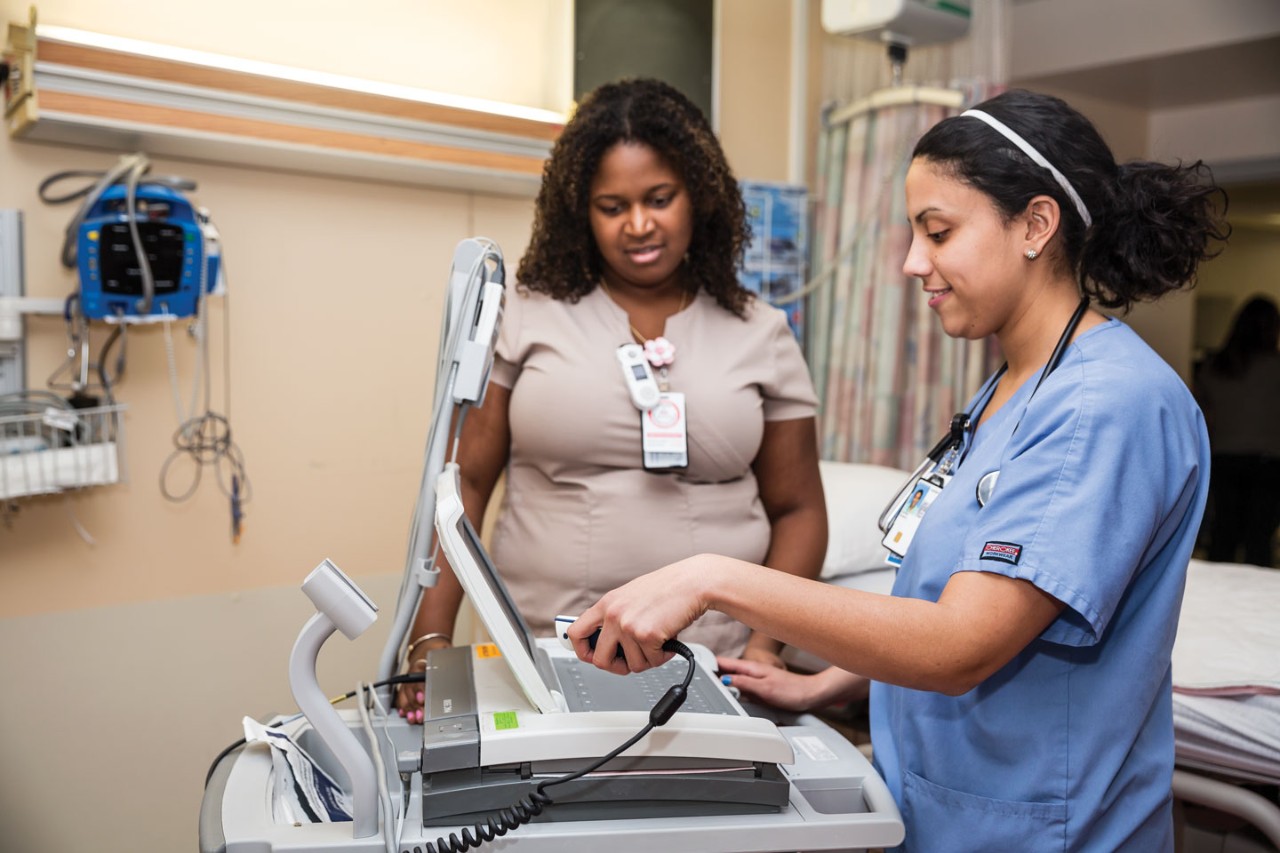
(487, 650)
(505, 720)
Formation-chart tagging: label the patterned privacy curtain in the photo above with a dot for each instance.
(888, 377)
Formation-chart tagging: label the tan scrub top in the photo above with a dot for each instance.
(580, 515)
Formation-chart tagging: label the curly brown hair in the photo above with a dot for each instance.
(563, 261)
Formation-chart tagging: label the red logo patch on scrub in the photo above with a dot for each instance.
(1005, 552)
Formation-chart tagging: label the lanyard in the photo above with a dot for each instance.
(987, 482)
(947, 453)
(1055, 358)
(1059, 350)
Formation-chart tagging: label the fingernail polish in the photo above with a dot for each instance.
(726, 680)
(420, 696)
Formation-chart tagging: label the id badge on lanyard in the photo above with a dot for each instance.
(664, 433)
(664, 417)
(907, 520)
(901, 518)
(900, 526)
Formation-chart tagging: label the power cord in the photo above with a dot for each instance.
(407, 678)
(529, 807)
(368, 695)
(203, 436)
(108, 382)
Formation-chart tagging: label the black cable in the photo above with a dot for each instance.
(529, 807)
(658, 715)
(407, 678)
(532, 805)
(129, 168)
(108, 382)
(206, 440)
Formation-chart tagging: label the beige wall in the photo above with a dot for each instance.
(115, 713)
(132, 660)
(334, 305)
(466, 48)
(754, 86)
(1053, 36)
(336, 289)
(1250, 266)
(334, 312)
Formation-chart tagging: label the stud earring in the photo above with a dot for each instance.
(1032, 254)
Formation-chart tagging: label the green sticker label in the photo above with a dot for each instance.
(505, 720)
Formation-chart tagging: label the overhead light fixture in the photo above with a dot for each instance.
(72, 86)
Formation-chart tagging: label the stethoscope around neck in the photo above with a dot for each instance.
(940, 458)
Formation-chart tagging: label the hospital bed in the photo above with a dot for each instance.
(1226, 659)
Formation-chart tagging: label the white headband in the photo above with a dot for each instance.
(1036, 156)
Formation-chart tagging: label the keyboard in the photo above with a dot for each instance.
(588, 688)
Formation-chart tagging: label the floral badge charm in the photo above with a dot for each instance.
(660, 351)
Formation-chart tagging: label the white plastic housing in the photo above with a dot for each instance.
(336, 596)
(908, 22)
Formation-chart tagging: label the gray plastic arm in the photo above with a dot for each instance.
(469, 328)
(329, 725)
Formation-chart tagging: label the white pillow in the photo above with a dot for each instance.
(856, 495)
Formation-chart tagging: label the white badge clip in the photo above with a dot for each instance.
(907, 520)
(664, 433)
(641, 384)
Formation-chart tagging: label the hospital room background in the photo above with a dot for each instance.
(137, 629)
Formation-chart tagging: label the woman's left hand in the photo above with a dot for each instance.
(792, 691)
(772, 685)
(763, 656)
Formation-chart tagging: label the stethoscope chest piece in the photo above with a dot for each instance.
(987, 486)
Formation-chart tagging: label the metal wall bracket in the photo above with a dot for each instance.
(13, 372)
(20, 110)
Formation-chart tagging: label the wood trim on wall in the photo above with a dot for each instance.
(111, 98)
(223, 80)
(67, 104)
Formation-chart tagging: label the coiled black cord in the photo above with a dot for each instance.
(529, 807)
(506, 820)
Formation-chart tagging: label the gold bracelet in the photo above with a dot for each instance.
(434, 635)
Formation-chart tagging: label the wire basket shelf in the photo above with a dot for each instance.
(60, 449)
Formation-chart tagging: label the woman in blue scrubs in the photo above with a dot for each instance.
(1021, 693)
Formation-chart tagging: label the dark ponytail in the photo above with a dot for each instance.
(1161, 223)
(1152, 224)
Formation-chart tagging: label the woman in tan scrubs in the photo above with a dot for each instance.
(638, 234)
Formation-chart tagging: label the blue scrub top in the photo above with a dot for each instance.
(1099, 498)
